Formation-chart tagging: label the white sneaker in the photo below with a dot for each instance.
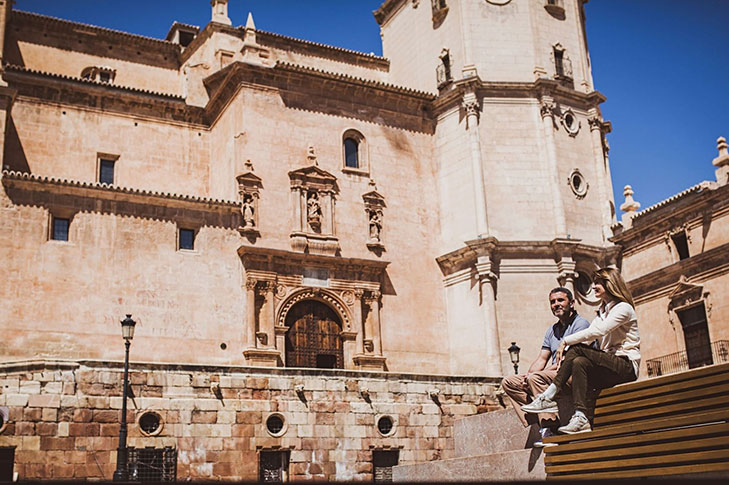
(577, 424)
(540, 404)
(544, 433)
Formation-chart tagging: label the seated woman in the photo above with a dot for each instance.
(617, 361)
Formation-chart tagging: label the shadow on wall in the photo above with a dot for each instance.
(14, 157)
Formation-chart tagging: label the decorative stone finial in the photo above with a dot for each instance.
(220, 12)
(722, 161)
(249, 22)
(248, 165)
(629, 207)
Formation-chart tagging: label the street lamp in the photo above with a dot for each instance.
(121, 475)
(514, 355)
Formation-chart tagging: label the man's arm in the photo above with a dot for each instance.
(540, 363)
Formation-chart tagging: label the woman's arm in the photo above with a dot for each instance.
(618, 315)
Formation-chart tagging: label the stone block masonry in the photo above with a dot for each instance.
(218, 418)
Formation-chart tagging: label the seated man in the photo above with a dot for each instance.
(522, 388)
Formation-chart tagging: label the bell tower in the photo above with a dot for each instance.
(521, 156)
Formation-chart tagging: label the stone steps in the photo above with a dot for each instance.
(491, 446)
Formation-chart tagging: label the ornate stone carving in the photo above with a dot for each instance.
(281, 291)
(251, 284)
(547, 107)
(249, 186)
(318, 294)
(374, 205)
(470, 105)
(314, 199)
(348, 297)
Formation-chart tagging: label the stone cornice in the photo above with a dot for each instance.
(75, 91)
(692, 203)
(709, 264)
(497, 250)
(386, 10)
(33, 182)
(533, 90)
(41, 364)
(326, 92)
(126, 46)
(266, 259)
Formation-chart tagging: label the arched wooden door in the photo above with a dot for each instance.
(314, 337)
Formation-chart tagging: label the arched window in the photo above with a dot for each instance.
(314, 336)
(354, 151)
(351, 155)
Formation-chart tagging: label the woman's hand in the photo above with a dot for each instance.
(560, 354)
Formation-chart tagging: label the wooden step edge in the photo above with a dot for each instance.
(662, 380)
(644, 472)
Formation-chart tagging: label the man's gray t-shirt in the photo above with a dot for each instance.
(555, 335)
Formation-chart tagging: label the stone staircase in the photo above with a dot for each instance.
(491, 446)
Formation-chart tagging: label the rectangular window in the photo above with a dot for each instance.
(106, 171)
(559, 62)
(382, 463)
(696, 336)
(59, 228)
(680, 242)
(273, 466)
(152, 464)
(186, 239)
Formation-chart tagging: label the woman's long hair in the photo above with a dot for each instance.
(614, 284)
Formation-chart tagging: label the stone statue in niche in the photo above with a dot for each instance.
(375, 225)
(313, 210)
(247, 211)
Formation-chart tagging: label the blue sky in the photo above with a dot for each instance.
(663, 65)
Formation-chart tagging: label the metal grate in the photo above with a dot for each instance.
(152, 464)
(716, 353)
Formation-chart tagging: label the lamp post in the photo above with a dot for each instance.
(514, 355)
(121, 475)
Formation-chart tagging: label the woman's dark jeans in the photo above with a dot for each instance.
(592, 370)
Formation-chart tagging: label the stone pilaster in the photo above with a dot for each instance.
(472, 108)
(487, 283)
(547, 111)
(601, 170)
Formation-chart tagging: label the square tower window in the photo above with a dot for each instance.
(59, 228)
(106, 171)
(273, 466)
(186, 239)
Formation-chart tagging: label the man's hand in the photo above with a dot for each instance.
(560, 354)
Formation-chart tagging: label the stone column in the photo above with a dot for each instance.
(567, 274)
(600, 169)
(487, 282)
(359, 325)
(547, 111)
(470, 104)
(373, 329)
(267, 319)
(251, 312)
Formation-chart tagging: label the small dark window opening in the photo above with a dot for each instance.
(106, 171)
(382, 462)
(552, 2)
(681, 243)
(447, 66)
(439, 4)
(150, 422)
(186, 38)
(187, 239)
(559, 62)
(273, 466)
(351, 153)
(274, 424)
(7, 460)
(696, 336)
(104, 77)
(384, 425)
(59, 229)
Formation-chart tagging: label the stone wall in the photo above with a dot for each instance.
(64, 417)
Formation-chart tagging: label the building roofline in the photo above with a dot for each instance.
(71, 23)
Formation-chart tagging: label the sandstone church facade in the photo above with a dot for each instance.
(327, 252)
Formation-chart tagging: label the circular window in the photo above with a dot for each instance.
(276, 425)
(223, 346)
(578, 184)
(385, 425)
(150, 423)
(570, 123)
